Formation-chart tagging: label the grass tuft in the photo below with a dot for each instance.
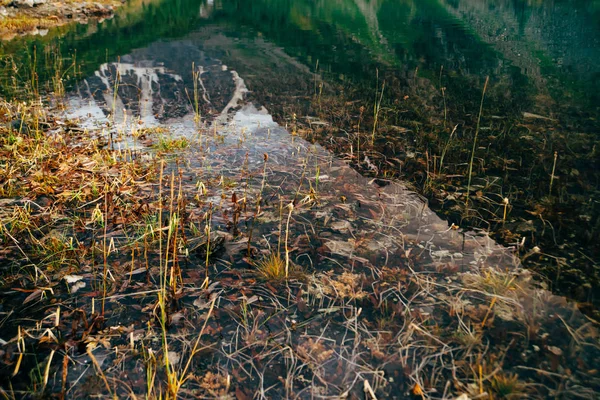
(167, 144)
(271, 267)
(507, 386)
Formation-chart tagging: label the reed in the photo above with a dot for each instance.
(195, 102)
(290, 206)
(446, 148)
(115, 90)
(258, 201)
(552, 176)
(377, 107)
(487, 79)
(443, 90)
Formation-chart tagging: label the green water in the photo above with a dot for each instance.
(545, 53)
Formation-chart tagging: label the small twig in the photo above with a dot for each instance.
(369, 390)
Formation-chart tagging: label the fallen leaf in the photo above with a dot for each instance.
(416, 390)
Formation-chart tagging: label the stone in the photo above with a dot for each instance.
(27, 3)
(20, 126)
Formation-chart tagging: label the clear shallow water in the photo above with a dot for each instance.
(542, 59)
(356, 225)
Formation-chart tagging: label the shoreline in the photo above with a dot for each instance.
(36, 17)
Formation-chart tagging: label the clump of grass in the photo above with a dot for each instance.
(168, 144)
(493, 282)
(21, 219)
(507, 386)
(59, 72)
(271, 267)
(56, 251)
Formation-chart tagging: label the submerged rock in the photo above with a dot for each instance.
(201, 245)
(19, 126)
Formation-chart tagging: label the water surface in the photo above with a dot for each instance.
(545, 54)
(542, 59)
(159, 63)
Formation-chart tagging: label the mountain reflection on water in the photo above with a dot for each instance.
(546, 54)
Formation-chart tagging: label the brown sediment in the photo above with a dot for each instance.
(517, 197)
(385, 295)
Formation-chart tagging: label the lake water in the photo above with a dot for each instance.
(277, 104)
(317, 59)
(544, 54)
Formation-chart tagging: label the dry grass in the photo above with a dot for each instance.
(508, 386)
(25, 23)
(271, 267)
(52, 14)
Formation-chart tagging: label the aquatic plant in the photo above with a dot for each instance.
(487, 79)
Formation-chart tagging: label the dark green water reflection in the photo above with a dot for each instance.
(544, 54)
